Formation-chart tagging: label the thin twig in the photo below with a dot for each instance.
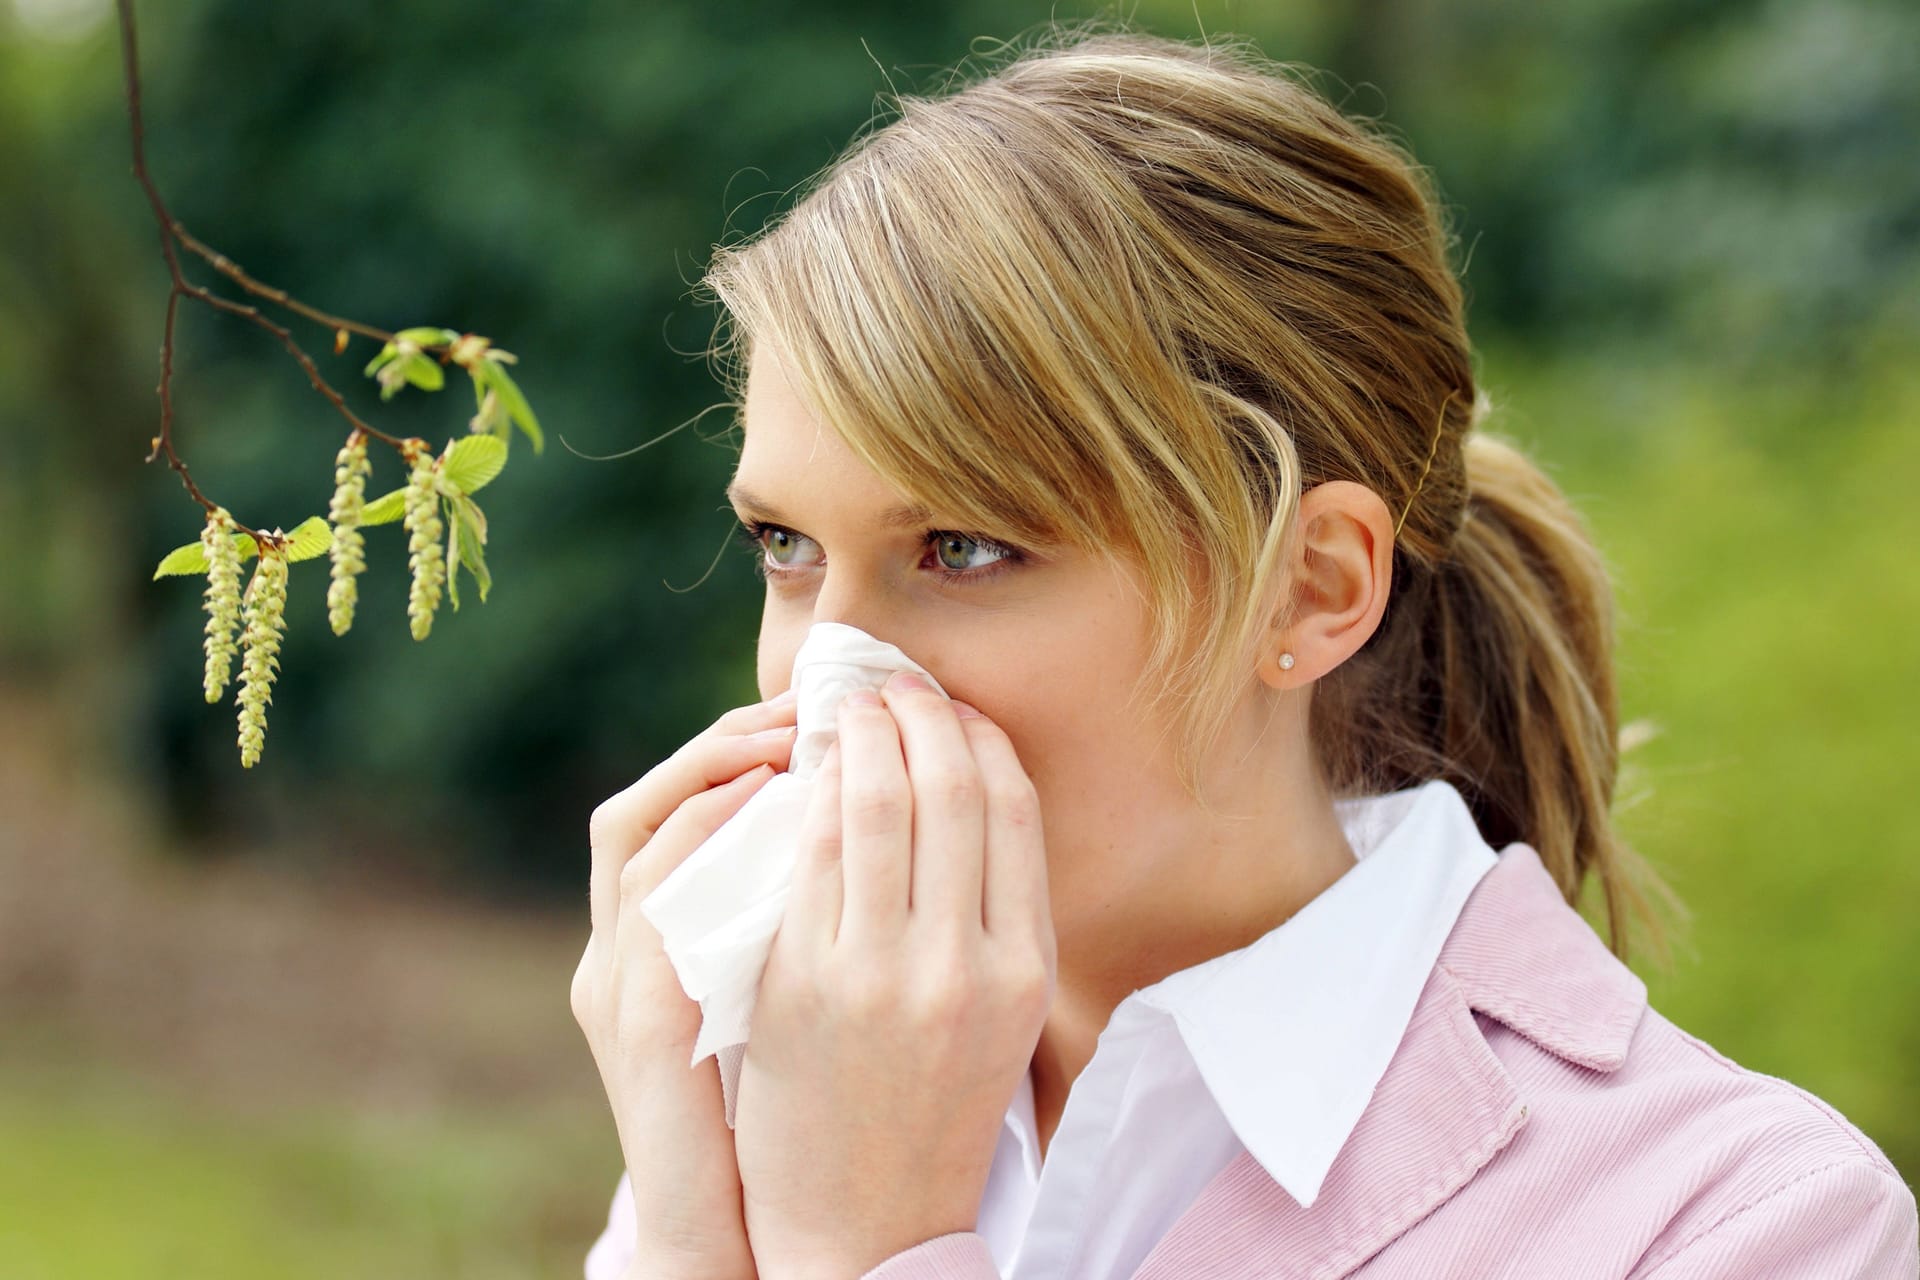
(293, 348)
(229, 268)
(171, 229)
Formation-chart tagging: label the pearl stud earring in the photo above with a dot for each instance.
(1286, 662)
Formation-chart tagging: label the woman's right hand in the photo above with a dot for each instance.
(640, 1023)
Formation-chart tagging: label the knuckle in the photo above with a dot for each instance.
(1017, 802)
(601, 822)
(953, 787)
(1025, 976)
(949, 989)
(582, 993)
(872, 808)
(636, 879)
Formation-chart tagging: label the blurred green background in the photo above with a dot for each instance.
(311, 1019)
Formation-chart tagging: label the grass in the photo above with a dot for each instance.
(107, 1178)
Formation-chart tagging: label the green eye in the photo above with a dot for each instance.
(953, 549)
(779, 541)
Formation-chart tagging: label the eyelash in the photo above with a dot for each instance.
(753, 532)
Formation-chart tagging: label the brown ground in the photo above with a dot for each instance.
(257, 988)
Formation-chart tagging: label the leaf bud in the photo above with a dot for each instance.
(467, 349)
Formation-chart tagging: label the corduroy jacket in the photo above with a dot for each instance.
(1540, 1120)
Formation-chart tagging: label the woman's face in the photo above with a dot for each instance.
(1044, 641)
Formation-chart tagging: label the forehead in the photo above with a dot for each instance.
(792, 463)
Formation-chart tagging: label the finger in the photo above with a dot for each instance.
(678, 836)
(626, 819)
(949, 809)
(812, 917)
(624, 822)
(876, 824)
(1014, 897)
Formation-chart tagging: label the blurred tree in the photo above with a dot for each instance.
(1726, 182)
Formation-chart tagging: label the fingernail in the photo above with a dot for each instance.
(966, 710)
(863, 698)
(901, 680)
(780, 732)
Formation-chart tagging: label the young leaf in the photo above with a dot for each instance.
(385, 509)
(424, 372)
(516, 403)
(453, 556)
(476, 517)
(192, 558)
(470, 531)
(311, 537)
(426, 336)
(380, 358)
(473, 462)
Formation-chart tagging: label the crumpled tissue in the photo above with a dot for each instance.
(718, 911)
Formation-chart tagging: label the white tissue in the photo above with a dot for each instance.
(718, 911)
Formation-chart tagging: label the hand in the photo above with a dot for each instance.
(640, 1023)
(904, 994)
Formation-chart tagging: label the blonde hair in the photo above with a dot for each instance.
(1134, 296)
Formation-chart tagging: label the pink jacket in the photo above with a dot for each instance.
(1540, 1120)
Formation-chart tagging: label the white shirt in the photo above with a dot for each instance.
(1207, 1062)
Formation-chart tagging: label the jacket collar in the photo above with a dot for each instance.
(1349, 967)
(1446, 1105)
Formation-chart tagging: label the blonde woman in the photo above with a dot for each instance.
(1218, 925)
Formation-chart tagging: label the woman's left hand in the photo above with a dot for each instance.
(904, 994)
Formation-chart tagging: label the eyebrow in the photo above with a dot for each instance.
(892, 518)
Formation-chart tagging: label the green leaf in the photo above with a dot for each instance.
(470, 531)
(427, 336)
(192, 558)
(380, 358)
(453, 556)
(517, 407)
(473, 462)
(385, 509)
(424, 372)
(311, 537)
(471, 510)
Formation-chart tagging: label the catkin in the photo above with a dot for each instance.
(424, 553)
(222, 599)
(348, 553)
(266, 604)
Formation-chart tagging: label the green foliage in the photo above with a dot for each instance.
(472, 463)
(470, 534)
(385, 509)
(310, 538)
(491, 375)
(192, 557)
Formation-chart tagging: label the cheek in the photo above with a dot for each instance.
(773, 659)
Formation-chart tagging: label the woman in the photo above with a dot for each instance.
(1219, 925)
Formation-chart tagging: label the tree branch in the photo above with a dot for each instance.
(171, 231)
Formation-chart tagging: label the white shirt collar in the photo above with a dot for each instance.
(1292, 1032)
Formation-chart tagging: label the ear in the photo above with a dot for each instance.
(1338, 584)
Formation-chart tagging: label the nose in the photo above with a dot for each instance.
(844, 598)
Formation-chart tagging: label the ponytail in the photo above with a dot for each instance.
(1494, 670)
